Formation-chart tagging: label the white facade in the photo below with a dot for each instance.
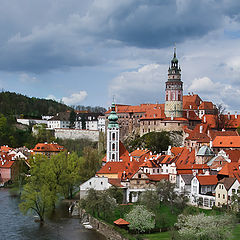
(113, 144)
(52, 124)
(101, 123)
(97, 183)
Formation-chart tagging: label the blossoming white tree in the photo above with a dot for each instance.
(140, 219)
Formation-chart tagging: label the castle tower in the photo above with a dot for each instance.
(174, 90)
(113, 136)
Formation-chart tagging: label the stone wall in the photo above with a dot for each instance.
(74, 134)
(107, 230)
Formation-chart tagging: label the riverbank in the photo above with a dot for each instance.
(14, 225)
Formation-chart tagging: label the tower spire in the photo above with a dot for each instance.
(174, 55)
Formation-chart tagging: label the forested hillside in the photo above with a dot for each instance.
(16, 104)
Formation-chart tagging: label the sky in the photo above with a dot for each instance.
(85, 52)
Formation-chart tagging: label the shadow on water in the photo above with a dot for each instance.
(60, 226)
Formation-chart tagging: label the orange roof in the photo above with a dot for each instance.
(142, 108)
(207, 179)
(176, 150)
(191, 115)
(197, 135)
(158, 177)
(155, 113)
(206, 105)
(234, 155)
(5, 149)
(121, 221)
(193, 99)
(229, 169)
(7, 164)
(139, 152)
(226, 142)
(115, 182)
(175, 119)
(214, 133)
(48, 147)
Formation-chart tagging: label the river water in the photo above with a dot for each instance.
(15, 226)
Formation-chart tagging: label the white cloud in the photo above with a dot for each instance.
(75, 98)
(143, 85)
(26, 78)
(52, 97)
(219, 93)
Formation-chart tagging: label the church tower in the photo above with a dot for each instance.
(113, 136)
(174, 90)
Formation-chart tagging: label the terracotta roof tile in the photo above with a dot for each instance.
(121, 221)
(226, 142)
(207, 179)
(48, 147)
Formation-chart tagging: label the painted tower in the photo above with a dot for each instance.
(113, 136)
(174, 90)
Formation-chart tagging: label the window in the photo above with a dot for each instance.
(90, 183)
(139, 175)
(101, 183)
(233, 191)
(219, 195)
(223, 196)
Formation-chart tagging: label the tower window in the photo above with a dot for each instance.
(113, 146)
(113, 156)
(113, 136)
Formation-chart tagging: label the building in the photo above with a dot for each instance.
(224, 191)
(47, 149)
(174, 90)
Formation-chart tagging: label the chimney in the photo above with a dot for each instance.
(235, 115)
(229, 116)
(190, 106)
(200, 128)
(171, 117)
(204, 119)
(210, 145)
(187, 114)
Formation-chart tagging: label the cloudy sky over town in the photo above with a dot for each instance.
(85, 51)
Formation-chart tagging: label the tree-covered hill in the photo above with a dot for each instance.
(15, 104)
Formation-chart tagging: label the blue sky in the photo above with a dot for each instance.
(84, 52)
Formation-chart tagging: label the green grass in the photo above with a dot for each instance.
(157, 236)
(236, 232)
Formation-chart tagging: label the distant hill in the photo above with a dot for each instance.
(16, 104)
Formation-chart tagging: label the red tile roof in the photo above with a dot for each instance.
(207, 179)
(139, 152)
(214, 133)
(7, 164)
(158, 177)
(48, 147)
(193, 100)
(229, 169)
(226, 142)
(121, 221)
(234, 155)
(206, 105)
(115, 182)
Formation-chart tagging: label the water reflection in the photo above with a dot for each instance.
(15, 226)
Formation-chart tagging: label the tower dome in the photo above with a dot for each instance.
(113, 118)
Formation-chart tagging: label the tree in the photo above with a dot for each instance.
(166, 193)
(150, 200)
(116, 193)
(197, 227)
(72, 119)
(36, 198)
(154, 141)
(140, 219)
(221, 119)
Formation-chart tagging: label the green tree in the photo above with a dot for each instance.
(116, 193)
(154, 141)
(198, 227)
(72, 119)
(166, 193)
(36, 198)
(140, 219)
(150, 199)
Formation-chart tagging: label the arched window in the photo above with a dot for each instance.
(113, 136)
(113, 146)
(113, 156)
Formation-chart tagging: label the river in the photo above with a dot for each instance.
(15, 226)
